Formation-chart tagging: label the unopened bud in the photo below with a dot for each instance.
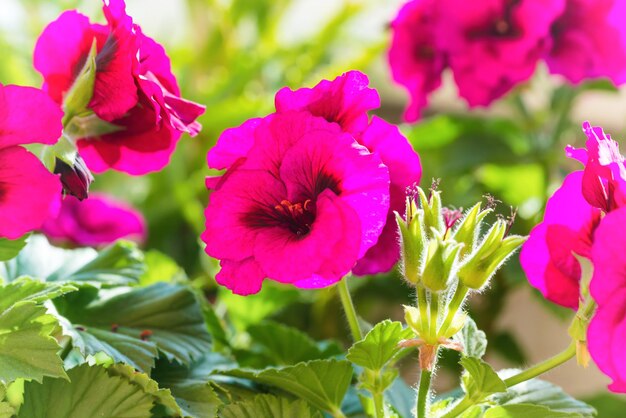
(75, 178)
(441, 258)
(489, 256)
(468, 229)
(412, 318)
(413, 241)
(433, 217)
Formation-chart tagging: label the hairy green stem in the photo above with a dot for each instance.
(348, 307)
(379, 408)
(423, 391)
(434, 314)
(453, 307)
(422, 304)
(530, 373)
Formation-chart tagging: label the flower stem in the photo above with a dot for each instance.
(544, 366)
(434, 315)
(422, 392)
(453, 307)
(379, 408)
(422, 304)
(348, 307)
(530, 373)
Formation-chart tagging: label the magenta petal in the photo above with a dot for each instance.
(28, 192)
(95, 221)
(115, 92)
(362, 181)
(606, 336)
(61, 50)
(415, 57)
(344, 100)
(405, 169)
(609, 273)
(232, 145)
(231, 227)
(567, 228)
(17, 124)
(330, 249)
(241, 277)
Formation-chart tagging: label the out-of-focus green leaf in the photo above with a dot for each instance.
(9, 248)
(118, 264)
(269, 406)
(160, 268)
(474, 341)
(284, 345)
(89, 392)
(540, 392)
(244, 311)
(524, 410)
(131, 326)
(323, 383)
(516, 184)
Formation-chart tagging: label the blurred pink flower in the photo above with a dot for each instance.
(96, 221)
(415, 57)
(301, 202)
(604, 179)
(607, 329)
(547, 257)
(346, 101)
(28, 190)
(490, 47)
(497, 45)
(134, 89)
(589, 41)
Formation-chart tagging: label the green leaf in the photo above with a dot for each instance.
(284, 345)
(161, 396)
(540, 392)
(474, 341)
(323, 383)
(244, 311)
(130, 326)
(379, 345)
(523, 410)
(401, 397)
(90, 392)
(9, 248)
(118, 264)
(160, 268)
(480, 380)
(269, 406)
(190, 385)
(6, 409)
(26, 348)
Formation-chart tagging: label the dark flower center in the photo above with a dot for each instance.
(297, 217)
(501, 25)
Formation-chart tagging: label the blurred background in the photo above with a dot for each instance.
(233, 55)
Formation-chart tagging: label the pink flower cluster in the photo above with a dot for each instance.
(586, 217)
(492, 45)
(309, 191)
(134, 89)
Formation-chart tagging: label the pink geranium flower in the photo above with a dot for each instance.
(96, 221)
(346, 101)
(28, 190)
(547, 257)
(134, 89)
(604, 179)
(608, 287)
(497, 45)
(589, 41)
(301, 202)
(415, 56)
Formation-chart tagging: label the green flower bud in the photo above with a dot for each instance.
(469, 227)
(433, 218)
(489, 256)
(440, 261)
(412, 318)
(413, 241)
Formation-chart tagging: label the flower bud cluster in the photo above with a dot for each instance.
(441, 248)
